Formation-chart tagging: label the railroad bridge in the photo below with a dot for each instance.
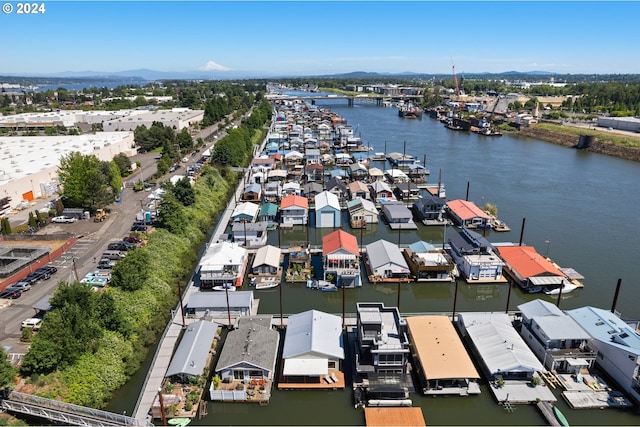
(64, 413)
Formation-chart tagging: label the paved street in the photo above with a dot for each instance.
(93, 240)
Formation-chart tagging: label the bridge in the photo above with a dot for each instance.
(351, 99)
(64, 413)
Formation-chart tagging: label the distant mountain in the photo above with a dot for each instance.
(151, 75)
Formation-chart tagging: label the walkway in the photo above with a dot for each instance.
(173, 331)
(65, 413)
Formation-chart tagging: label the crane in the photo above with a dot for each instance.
(455, 81)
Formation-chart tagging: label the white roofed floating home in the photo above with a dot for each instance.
(501, 349)
(267, 260)
(223, 263)
(327, 207)
(555, 338)
(246, 211)
(617, 343)
(313, 346)
(507, 362)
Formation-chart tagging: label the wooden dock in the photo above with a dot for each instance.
(546, 408)
(394, 417)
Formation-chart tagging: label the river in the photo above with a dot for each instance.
(581, 203)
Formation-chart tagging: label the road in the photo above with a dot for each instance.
(82, 257)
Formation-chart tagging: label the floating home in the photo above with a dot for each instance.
(382, 357)
(247, 362)
(475, 257)
(441, 361)
(313, 351)
(429, 264)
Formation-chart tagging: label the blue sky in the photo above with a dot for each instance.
(310, 38)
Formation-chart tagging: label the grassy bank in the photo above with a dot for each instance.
(601, 135)
(142, 314)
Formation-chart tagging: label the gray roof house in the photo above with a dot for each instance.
(249, 355)
(398, 216)
(555, 338)
(313, 346)
(386, 261)
(191, 356)
(617, 343)
(214, 304)
(250, 235)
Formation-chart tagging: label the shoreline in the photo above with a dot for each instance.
(568, 139)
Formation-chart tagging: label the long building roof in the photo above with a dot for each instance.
(499, 344)
(192, 352)
(251, 343)
(439, 348)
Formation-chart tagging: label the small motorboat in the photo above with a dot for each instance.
(229, 288)
(566, 288)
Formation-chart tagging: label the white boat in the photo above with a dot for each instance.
(566, 288)
(267, 283)
(224, 288)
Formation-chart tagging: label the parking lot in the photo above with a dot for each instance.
(81, 258)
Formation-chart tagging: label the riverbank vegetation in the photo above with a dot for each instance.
(91, 343)
(601, 135)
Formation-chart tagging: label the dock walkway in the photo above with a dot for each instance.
(173, 331)
(546, 409)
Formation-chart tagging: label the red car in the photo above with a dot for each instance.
(132, 239)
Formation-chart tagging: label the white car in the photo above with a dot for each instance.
(22, 286)
(63, 219)
(32, 322)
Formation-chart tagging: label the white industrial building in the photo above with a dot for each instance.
(178, 118)
(29, 164)
(121, 120)
(630, 124)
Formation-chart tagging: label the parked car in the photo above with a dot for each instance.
(50, 268)
(37, 275)
(20, 286)
(120, 246)
(139, 228)
(132, 239)
(106, 263)
(63, 219)
(174, 168)
(11, 293)
(32, 322)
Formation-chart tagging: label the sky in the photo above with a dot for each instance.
(325, 37)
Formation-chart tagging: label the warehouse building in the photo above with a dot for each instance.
(29, 164)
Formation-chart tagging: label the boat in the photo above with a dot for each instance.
(267, 283)
(180, 422)
(323, 285)
(560, 416)
(229, 288)
(566, 288)
(533, 289)
(410, 111)
(489, 132)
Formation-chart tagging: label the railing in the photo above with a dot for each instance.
(66, 413)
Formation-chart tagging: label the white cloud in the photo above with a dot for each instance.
(213, 66)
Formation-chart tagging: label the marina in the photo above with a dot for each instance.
(469, 294)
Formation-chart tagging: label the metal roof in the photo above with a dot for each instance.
(382, 252)
(499, 344)
(217, 299)
(326, 198)
(191, 355)
(605, 326)
(313, 332)
(267, 255)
